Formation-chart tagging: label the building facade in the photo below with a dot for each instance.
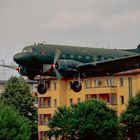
(114, 90)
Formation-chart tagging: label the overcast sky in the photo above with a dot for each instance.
(93, 23)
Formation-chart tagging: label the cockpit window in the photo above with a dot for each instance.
(27, 49)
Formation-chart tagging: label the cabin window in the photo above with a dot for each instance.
(49, 56)
(64, 56)
(43, 52)
(71, 56)
(79, 56)
(35, 51)
(95, 58)
(27, 49)
(99, 57)
(102, 58)
(87, 57)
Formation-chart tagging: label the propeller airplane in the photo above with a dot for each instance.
(75, 62)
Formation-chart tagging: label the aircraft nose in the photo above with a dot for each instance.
(17, 58)
(22, 58)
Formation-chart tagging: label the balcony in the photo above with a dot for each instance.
(113, 106)
(43, 128)
(46, 110)
(101, 89)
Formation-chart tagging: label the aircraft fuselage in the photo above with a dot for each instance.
(34, 59)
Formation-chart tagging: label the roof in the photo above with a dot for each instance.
(129, 72)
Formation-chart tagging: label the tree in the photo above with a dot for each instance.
(17, 94)
(130, 119)
(88, 120)
(12, 125)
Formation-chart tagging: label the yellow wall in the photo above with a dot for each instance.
(115, 95)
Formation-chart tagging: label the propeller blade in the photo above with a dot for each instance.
(9, 66)
(58, 75)
(46, 67)
(56, 56)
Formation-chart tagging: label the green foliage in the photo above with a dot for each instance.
(130, 119)
(17, 94)
(90, 119)
(12, 125)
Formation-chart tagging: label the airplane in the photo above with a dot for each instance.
(62, 61)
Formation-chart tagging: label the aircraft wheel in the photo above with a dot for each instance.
(41, 88)
(76, 86)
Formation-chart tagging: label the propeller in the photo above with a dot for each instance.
(12, 66)
(9, 66)
(50, 67)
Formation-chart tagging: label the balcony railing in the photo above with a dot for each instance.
(101, 89)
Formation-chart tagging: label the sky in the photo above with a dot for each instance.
(92, 23)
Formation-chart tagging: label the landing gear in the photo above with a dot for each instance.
(76, 86)
(42, 88)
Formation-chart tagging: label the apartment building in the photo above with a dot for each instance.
(114, 90)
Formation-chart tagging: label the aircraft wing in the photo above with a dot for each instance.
(111, 66)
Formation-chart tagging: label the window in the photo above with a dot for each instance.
(49, 85)
(87, 57)
(87, 83)
(54, 84)
(113, 98)
(48, 119)
(110, 82)
(70, 101)
(49, 102)
(130, 87)
(95, 58)
(43, 52)
(41, 102)
(71, 56)
(43, 135)
(35, 51)
(98, 83)
(42, 119)
(78, 100)
(122, 99)
(64, 56)
(99, 57)
(102, 58)
(79, 56)
(121, 82)
(55, 103)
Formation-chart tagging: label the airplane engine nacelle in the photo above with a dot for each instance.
(66, 64)
(23, 71)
